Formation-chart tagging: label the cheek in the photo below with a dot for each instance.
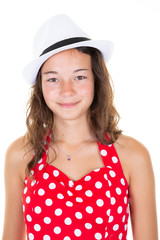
(88, 92)
(48, 94)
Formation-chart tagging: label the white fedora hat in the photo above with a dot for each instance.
(57, 34)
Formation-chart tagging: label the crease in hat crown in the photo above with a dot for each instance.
(55, 30)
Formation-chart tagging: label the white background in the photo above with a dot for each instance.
(134, 27)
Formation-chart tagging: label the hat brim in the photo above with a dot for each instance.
(31, 70)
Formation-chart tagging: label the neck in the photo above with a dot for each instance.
(72, 132)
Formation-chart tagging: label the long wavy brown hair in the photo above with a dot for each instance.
(103, 116)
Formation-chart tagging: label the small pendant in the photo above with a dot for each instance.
(69, 157)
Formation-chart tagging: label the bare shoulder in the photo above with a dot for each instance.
(134, 156)
(18, 155)
(131, 146)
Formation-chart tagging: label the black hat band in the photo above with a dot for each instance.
(64, 43)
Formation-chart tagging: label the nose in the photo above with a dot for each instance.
(67, 89)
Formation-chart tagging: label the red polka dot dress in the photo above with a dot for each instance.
(92, 208)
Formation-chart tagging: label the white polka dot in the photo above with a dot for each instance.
(77, 232)
(96, 170)
(109, 183)
(41, 167)
(112, 173)
(31, 236)
(122, 181)
(58, 212)
(115, 227)
(78, 199)
(125, 227)
(119, 210)
(71, 183)
(52, 185)
(110, 219)
(48, 202)
(57, 230)
(45, 175)
(88, 225)
(69, 204)
(37, 210)
(103, 152)
(120, 236)
(29, 219)
(99, 220)
(99, 202)
(69, 193)
(87, 178)
(108, 212)
(23, 208)
(108, 194)
(32, 172)
(47, 220)
(28, 199)
(106, 234)
(33, 182)
(98, 236)
(78, 215)
(114, 159)
(105, 176)
(60, 196)
(109, 167)
(123, 219)
(78, 187)
(56, 173)
(40, 160)
(98, 185)
(25, 190)
(68, 221)
(62, 183)
(66, 238)
(41, 192)
(118, 191)
(89, 209)
(46, 237)
(37, 227)
(88, 193)
(25, 181)
(125, 200)
(113, 200)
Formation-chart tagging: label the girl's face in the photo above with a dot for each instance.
(68, 84)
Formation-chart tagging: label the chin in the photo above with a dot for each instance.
(70, 116)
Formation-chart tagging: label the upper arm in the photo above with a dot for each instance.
(142, 193)
(14, 227)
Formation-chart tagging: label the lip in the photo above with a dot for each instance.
(68, 105)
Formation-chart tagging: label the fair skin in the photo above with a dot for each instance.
(68, 88)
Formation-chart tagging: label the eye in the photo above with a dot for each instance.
(52, 80)
(80, 78)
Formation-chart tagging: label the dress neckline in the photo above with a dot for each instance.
(92, 172)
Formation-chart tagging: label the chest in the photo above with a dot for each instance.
(80, 163)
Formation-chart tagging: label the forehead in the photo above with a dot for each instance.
(69, 58)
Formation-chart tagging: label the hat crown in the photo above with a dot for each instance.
(54, 30)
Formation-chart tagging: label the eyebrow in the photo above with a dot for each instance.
(77, 70)
(81, 69)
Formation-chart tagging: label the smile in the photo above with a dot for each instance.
(68, 105)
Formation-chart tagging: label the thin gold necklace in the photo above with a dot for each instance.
(69, 155)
